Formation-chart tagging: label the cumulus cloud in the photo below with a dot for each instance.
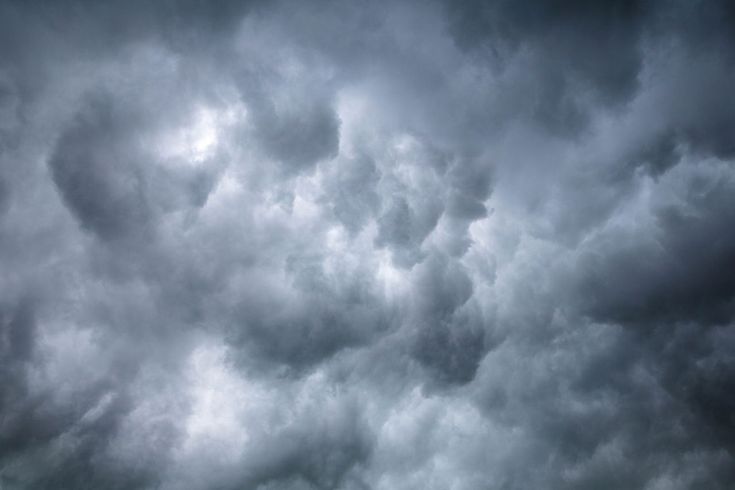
(349, 245)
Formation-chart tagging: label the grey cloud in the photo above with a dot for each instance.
(320, 457)
(17, 349)
(97, 180)
(391, 245)
(553, 41)
(354, 198)
(671, 274)
(450, 335)
(66, 441)
(301, 326)
(112, 183)
(299, 139)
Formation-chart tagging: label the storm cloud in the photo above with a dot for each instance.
(367, 245)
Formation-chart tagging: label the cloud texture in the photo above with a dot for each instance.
(367, 245)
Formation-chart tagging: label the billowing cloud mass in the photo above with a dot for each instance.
(358, 245)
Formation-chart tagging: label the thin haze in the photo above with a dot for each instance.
(415, 245)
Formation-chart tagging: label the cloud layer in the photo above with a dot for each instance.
(367, 245)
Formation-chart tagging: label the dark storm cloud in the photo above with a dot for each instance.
(111, 184)
(102, 189)
(297, 136)
(353, 192)
(674, 273)
(449, 335)
(343, 245)
(304, 325)
(322, 457)
(569, 49)
(66, 440)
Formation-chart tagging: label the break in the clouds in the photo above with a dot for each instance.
(367, 245)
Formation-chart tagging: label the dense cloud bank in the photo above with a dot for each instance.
(367, 245)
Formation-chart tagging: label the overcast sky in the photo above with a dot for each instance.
(412, 245)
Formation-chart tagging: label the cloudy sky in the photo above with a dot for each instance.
(353, 245)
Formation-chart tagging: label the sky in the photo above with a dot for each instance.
(409, 244)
